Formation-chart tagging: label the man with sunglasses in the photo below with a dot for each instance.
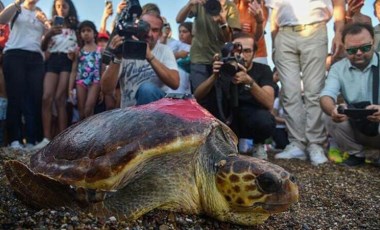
(255, 86)
(353, 77)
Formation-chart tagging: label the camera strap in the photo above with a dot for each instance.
(375, 83)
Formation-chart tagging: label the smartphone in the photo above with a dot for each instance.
(109, 5)
(58, 21)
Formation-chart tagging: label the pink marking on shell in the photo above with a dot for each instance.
(187, 109)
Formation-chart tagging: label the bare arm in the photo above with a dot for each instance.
(205, 87)
(109, 78)
(264, 94)
(259, 12)
(168, 76)
(329, 107)
(339, 18)
(108, 11)
(9, 12)
(46, 40)
(184, 12)
(274, 27)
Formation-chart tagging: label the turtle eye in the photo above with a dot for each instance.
(293, 179)
(268, 183)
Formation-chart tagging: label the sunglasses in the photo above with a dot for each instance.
(363, 49)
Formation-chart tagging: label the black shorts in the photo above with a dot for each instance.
(58, 62)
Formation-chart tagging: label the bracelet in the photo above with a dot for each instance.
(249, 86)
(116, 60)
(150, 59)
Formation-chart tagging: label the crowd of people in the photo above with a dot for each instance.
(66, 69)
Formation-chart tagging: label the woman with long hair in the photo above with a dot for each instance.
(60, 43)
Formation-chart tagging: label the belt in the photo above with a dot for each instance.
(299, 28)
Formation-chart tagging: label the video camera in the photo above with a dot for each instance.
(127, 26)
(231, 57)
(226, 91)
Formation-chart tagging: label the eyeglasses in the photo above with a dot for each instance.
(363, 49)
(247, 50)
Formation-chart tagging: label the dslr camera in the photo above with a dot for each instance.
(127, 26)
(228, 91)
(213, 7)
(231, 57)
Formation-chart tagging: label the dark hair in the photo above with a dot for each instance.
(245, 35)
(187, 25)
(71, 20)
(90, 24)
(149, 8)
(356, 28)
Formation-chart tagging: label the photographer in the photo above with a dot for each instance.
(142, 81)
(214, 23)
(355, 78)
(255, 87)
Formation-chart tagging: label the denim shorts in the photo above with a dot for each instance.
(58, 62)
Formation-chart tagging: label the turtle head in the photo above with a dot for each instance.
(255, 187)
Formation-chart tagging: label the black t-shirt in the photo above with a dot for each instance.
(262, 74)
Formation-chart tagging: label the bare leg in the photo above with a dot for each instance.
(50, 86)
(82, 98)
(60, 100)
(93, 94)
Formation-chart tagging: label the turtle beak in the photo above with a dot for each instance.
(282, 200)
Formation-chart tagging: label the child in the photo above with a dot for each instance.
(59, 43)
(87, 69)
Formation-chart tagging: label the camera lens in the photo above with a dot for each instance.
(213, 7)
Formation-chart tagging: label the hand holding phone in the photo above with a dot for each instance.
(109, 7)
(58, 21)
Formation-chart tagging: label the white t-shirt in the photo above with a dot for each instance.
(65, 42)
(298, 12)
(184, 82)
(135, 72)
(26, 33)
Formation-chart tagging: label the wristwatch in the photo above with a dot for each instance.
(223, 26)
(116, 60)
(248, 86)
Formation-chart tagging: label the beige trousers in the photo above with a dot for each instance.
(302, 51)
(349, 139)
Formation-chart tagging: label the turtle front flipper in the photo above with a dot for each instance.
(164, 182)
(37, 190)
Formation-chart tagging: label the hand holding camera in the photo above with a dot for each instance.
(216, 65)
(374, 117)
(121, 6)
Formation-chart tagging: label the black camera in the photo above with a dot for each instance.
(213, 7)
(127, 26)
(231, 57)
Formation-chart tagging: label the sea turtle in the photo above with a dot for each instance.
(171, 154)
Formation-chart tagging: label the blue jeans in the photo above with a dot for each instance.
(198, 74)
(148, 93)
